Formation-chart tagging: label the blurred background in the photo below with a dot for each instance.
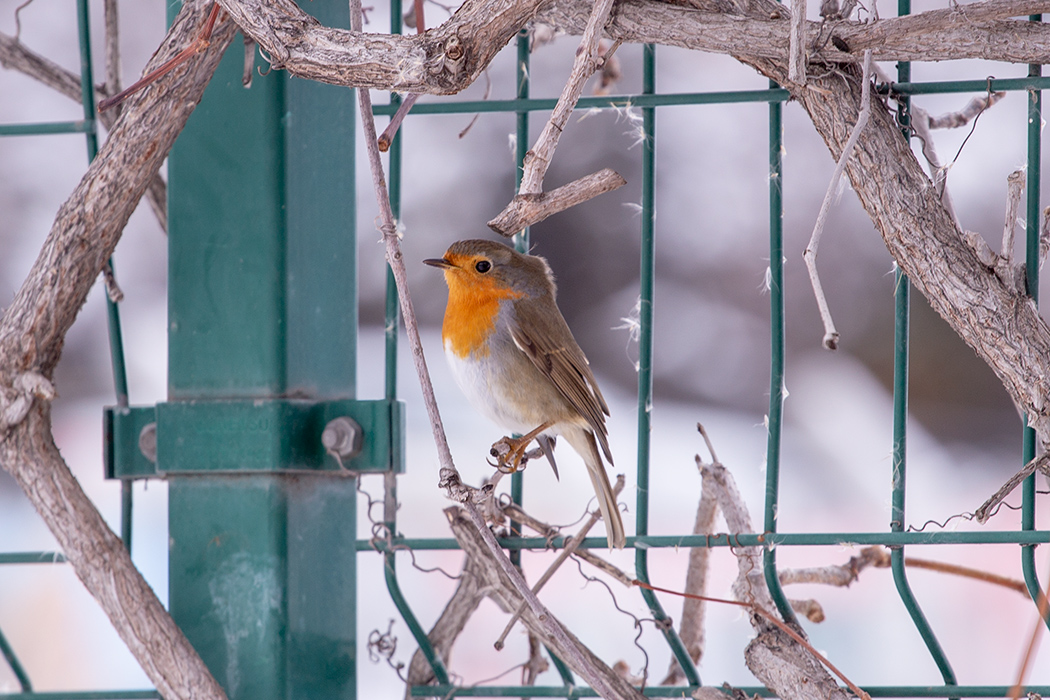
(711, 362)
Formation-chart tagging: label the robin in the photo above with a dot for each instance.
(515, 358)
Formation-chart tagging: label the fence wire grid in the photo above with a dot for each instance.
(391, 546)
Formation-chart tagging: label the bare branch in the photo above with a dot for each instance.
(15, 56)
(444, 60)
(32, 330)
(452, 55)
(921, 123)
(964, 116)
(831, 336)
(112, 47)
(841, 575)
(989, 507)
(797, 43)
(973, 30)
(527, 209)
(691, 629)
(1014, 188)
(507, 595)
(469, 593)
(575, 654)
(570, 547)
(1003, 326)
(538, 158)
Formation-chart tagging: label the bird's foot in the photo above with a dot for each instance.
(510, 454)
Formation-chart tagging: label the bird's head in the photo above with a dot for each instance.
(487, 267)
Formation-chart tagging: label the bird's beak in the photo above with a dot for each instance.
(438, 262)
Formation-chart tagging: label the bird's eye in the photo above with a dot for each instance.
(482, 266)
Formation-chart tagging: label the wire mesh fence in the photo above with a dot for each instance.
(900, 534)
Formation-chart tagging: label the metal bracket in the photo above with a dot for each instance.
(252, 435)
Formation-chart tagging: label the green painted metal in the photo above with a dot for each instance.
(257, 435)
(32, 558)
(84, 126)
(776, 356)
(645, 365)
(8, 652)
(262, 342)
(1032, 264)
(521, 238)
(898, 522)
(263, 178)
(275, 352)
(906, 87)
(776, 94)
(263, 581)
(523, 104)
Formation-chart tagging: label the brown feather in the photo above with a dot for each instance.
(565, 365)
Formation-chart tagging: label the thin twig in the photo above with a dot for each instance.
(831, 336)
(921, 124)
(1040, 463)
(967, 572)
(570, 546)
(16, 56)
(538, 159)
(528, 209)
(774, 620)
(449, 476)
(249, 62)
(113, 291)
(1043, 607)
(387, 137)
(972, 110)
(197, 46)
(112, 47)
(515, 512)
(691, 629)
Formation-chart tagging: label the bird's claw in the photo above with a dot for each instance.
(510, 455)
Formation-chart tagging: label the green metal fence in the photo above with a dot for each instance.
(205, 396)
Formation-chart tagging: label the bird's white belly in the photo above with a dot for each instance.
(481, 380)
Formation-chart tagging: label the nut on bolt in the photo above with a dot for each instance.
(343, 436)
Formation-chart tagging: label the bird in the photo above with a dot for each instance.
(513, 355)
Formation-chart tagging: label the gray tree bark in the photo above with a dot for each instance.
(84, 234)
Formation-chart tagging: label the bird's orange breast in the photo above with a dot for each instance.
(470, 317)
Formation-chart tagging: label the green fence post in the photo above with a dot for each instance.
(1032, 264)
(262, 309)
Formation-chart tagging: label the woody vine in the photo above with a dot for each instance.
(819, 63)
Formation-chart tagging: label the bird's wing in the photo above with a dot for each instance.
(533, 329)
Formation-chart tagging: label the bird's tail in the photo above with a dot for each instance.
(583, 442)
